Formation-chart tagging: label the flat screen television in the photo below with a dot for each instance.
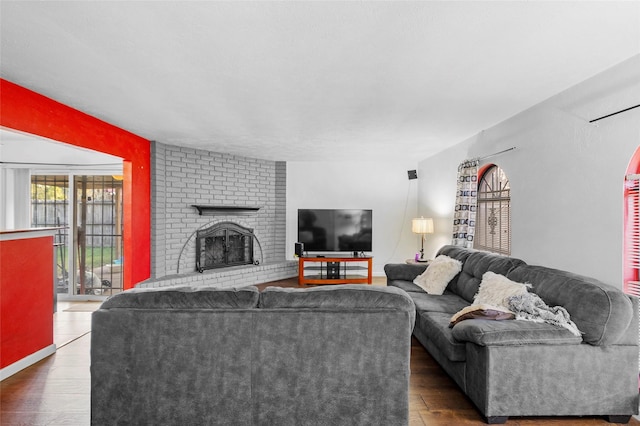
(335, 230)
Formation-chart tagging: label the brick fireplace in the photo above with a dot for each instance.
(183, 178)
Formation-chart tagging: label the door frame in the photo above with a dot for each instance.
(29, 112)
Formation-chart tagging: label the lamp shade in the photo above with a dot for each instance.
(422, 225)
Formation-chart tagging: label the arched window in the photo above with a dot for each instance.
(493, 221)
(632, 226)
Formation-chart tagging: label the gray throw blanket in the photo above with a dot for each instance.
(530, 307)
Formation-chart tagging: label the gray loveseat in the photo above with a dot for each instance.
(334, 355)
(521, 368)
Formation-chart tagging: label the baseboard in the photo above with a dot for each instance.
(27, 361)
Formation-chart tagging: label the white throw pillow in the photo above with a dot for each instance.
(438, 274)
(495, 289)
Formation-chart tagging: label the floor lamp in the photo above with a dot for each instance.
(422, 226)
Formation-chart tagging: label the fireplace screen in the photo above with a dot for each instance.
(224, 244)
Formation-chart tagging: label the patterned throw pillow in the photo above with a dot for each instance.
(438, 274)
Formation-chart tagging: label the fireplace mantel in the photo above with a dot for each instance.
(206, 210)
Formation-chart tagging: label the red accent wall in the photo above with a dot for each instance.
(26, 297)
(26, 111)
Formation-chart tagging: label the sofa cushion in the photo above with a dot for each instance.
(512, 332)
(438, 274)
(436, 326)
(407, 286)
(455, 252)
(475, 266)
(185, 297)
(602, 312)
(343, 296)
(447, 302)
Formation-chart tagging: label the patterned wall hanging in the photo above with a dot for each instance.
(464, 217)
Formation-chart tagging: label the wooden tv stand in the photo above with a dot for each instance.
(325, 271)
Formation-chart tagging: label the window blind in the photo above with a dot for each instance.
(493, 224)
(632, 278)
(632, 241)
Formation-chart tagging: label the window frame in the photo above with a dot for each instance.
(498, 197)
(631, 284)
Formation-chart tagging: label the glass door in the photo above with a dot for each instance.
(49, 208)
(90, 234)
(98, 234)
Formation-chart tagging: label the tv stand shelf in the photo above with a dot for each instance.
(334, 270)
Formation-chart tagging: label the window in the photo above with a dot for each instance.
(631, 283)
(631, 272)
(493, 221)
(632, 235)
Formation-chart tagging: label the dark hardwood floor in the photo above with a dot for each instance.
(56, 391)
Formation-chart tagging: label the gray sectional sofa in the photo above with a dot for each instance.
(334, 355)
(521, 368)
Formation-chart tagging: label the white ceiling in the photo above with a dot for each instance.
(311, 80)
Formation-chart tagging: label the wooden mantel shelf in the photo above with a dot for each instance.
(205, 210)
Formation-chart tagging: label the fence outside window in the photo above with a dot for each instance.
(92, 242)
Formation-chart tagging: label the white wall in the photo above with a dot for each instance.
(382, 187)
(26, 154)
(15, 198)
(566, 175)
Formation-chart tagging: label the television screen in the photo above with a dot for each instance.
(335, 230)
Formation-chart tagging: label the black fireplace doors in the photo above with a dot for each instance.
(223, 244)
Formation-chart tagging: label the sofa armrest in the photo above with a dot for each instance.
(512, 333)
(403, 271)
